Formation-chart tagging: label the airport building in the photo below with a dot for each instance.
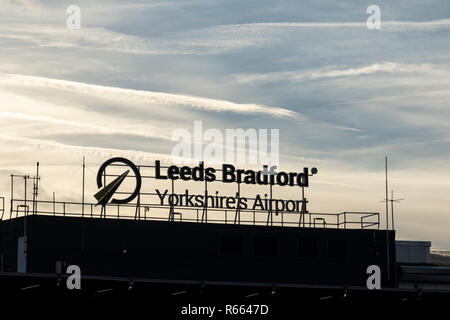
(205, 247)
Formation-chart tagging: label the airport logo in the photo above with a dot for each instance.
(104, 196)
(226, 174)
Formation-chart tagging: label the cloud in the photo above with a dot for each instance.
(52, 146)
(389, 25)
(149, 97)
(390, 98)
(144, 132)
(216, 39)
(210, 40)
(297, 76)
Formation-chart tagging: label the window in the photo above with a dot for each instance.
(337, 249)
(265, 246)
(307, 248)
(231, 245)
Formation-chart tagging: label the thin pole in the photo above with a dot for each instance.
(35, 189)
(37, 186)
(34, 196)
(387, 221)
(302, 212)
(172, 209)
(84, 178)
(12, 197)
(104, 206)
(82, 206)
(271, 211)
(25, 208)
(387, 197)
(25, 245)
(239, 203)
(392, 208)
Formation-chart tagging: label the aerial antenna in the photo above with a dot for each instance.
(35, 189)
(392, 200)
(392, 206)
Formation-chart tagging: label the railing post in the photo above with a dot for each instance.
(345, 220)
(12, 197)
(378, 216)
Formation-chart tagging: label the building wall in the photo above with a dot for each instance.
(201, 252)
(417, 252)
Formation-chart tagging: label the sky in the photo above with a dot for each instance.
(342, 96)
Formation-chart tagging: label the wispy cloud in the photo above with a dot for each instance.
(102, 129)
(53, 146)
(209, 40)
(397, 97)
(158, 98)
(393, 25)
(304, 75)
(214, 39)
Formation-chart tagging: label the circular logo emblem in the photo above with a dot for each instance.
(107, 192)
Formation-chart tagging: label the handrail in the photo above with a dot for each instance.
(370, 223)
(349, 220)
(320, 219)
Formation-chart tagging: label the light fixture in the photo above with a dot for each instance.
(104, 290)
(130, 285)
(31, 287)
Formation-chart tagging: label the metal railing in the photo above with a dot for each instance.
(343, 220)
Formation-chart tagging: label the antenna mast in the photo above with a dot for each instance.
(387, 205)
(392, 206)
(82, 194)
(387, 220)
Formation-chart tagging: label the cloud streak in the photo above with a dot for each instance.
(53, 146)
(394, 25)
(214, 39)
(204, 41)
(148, 97)
(147, 132)
(298, 76)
